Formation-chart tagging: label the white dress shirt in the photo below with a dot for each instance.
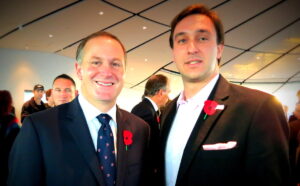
(187, 114)
(90, 113)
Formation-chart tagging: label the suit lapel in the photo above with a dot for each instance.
(77, 126)
(122, 154)
(203, 127)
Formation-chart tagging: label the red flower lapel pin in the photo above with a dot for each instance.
(127, 136)
(210, 107)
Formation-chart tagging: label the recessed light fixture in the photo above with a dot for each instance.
(257, 57)
(146, 59)
(50, 35)
(144, 27)
(101, 13)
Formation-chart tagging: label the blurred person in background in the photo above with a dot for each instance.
(63, 89)
(49, 99)
(9, 129)
(293, 117)
(295, 146)
(156, 95)
(35, 104)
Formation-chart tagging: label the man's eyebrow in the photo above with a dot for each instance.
(179, 34)
(202, 31)
(96, 57)
(184, 33)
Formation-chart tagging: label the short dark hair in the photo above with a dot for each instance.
(154, 84)
(198, 9)
(5, 102)
(64, 76)
(82, 44)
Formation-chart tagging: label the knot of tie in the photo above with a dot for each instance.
(158, 112)
(104, 119)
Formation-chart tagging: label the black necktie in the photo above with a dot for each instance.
(105, 150)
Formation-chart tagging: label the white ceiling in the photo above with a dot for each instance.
(262, 37)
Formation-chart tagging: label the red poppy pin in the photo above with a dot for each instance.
(127, 136)
(210, 107)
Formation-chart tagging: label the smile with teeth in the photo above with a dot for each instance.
(104, 84)
(193, 62)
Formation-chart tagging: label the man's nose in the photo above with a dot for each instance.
(192, 48)
(106, 69)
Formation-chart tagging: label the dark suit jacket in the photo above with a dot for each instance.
(295, 150)
(255, 120)
(54, 147)
(146, 111)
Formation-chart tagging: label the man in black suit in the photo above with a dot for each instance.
(215, 132)
(155, 96)
(295, 145)
(60, 146)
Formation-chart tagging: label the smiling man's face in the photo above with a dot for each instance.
(195, 49)
(102, 70)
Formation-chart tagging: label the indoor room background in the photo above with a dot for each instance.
(38, 41)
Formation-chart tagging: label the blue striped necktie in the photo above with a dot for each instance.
(105, 150)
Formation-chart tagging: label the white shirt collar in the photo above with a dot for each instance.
(90, 111)
(203, 93)
(153, 103)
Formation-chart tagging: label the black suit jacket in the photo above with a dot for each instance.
(54, 147)
(295, 150)
(146, 111)
(253, 119)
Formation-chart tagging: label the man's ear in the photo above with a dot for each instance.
(220, 49)
(160, 92)
(78, 70)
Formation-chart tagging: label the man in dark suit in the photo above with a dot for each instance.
(64, 145)
(155, 96)
(295, 145)
(215, 132)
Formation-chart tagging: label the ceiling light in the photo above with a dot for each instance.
(101, 13)
(50, 35)
(146, 59)
(144, 27)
